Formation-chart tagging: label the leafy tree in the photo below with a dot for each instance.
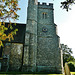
(67, 3)
(8, 9)
(71, 66)
(67, 53)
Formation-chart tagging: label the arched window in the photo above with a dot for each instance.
(44, 15)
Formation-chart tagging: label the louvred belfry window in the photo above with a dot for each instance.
(44, 15)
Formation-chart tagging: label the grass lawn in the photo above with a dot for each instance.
(31, 74)
(55, 74)
(73, 73)
(19, 73)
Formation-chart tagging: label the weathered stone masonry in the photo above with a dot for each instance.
(40, 49)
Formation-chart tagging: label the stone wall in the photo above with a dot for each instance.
(31, 32)
(41, 49)
(48, 50)
(14, 50)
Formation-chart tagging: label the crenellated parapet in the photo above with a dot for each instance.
(45, 5)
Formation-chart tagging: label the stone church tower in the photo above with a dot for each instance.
(42, 48)
(37, 49)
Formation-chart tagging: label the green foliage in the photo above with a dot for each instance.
(67, 3)
(73, 73)
(67, 53)
(8, 11)
(72, 66)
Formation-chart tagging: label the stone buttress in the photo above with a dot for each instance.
(31, 37)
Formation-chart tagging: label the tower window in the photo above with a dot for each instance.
(44, 15)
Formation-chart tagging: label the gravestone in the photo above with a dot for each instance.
(67, 70)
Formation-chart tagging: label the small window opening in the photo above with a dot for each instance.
(44, 15)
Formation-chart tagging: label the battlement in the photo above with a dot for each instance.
(50, 4)
(45, 5)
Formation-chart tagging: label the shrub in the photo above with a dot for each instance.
(72, 67)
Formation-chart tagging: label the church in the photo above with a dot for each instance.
(36, 46)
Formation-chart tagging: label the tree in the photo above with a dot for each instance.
(66, 4)
(71, 66)
(8, 9)
(67, 53)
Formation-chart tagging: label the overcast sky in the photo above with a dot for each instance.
(64, 20)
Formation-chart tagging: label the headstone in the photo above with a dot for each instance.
(0, 66)
(67, 70)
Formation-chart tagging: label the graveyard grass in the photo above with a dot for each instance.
(20, 73)
(73, 73)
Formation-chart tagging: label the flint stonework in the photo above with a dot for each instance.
(14, 50)
(36, 49)
(42, 47)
